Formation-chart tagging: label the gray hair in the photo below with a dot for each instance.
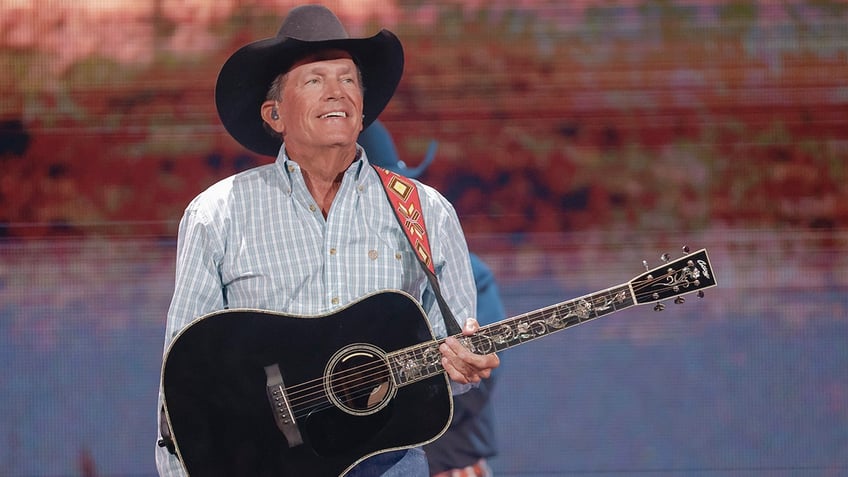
(273, 94)
(276, 88)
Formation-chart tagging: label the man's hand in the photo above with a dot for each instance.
(462, 365)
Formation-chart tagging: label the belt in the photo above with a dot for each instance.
(478, 469)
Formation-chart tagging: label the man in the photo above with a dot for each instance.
(463, 450)
(313, 232)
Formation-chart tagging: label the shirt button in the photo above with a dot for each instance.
(398, 256)
(335, 300)
(292, 168)
(332, 251)
(372, 254)
(313, 207)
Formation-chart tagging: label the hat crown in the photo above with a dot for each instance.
(312, 23)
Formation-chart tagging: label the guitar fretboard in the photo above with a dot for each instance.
(423, 361)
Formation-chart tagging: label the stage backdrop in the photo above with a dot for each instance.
(576, 140)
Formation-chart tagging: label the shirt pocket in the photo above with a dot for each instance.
(390, 261)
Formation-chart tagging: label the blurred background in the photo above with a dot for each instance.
(576, 139)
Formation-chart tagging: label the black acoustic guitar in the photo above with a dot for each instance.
(257, 393)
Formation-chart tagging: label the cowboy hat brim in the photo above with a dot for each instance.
(245, 78)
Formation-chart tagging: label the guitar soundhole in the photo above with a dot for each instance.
(358, 380)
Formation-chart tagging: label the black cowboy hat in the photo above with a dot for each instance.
(247, 75)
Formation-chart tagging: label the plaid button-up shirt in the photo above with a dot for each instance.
(258, 240)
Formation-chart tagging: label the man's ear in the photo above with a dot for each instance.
(271, 115)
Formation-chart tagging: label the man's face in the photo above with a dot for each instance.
(321, 101)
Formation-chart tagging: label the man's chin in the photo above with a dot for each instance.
(340, 139)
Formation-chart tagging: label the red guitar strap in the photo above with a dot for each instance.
(403, 195)
(404, 199)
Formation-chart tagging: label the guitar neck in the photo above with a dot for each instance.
(423, 361)
(688, 274)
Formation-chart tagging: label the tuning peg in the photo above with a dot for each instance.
(685, 249)
(665, 257)
(679, 300)
(659, 307)
(645, 264)
(700, 293)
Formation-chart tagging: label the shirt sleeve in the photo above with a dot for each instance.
(198, 290)
(453, 270)
(451, 262)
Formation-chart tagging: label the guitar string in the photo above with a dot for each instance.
(367, 373)
(379, 370)
(321, 402)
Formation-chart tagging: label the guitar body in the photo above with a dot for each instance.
(345, 403)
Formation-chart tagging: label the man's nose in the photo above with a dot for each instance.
(334, 89)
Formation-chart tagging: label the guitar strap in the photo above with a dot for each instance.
(403, 197)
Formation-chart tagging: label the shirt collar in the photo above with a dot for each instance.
(287, 166)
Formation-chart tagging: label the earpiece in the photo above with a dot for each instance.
(274, 114)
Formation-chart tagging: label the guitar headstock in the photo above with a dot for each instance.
(688, 274)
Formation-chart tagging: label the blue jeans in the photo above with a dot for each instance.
(403, 463)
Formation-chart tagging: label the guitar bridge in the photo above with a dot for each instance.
(280, 407)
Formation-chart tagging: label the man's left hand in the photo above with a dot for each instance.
(462, 365)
